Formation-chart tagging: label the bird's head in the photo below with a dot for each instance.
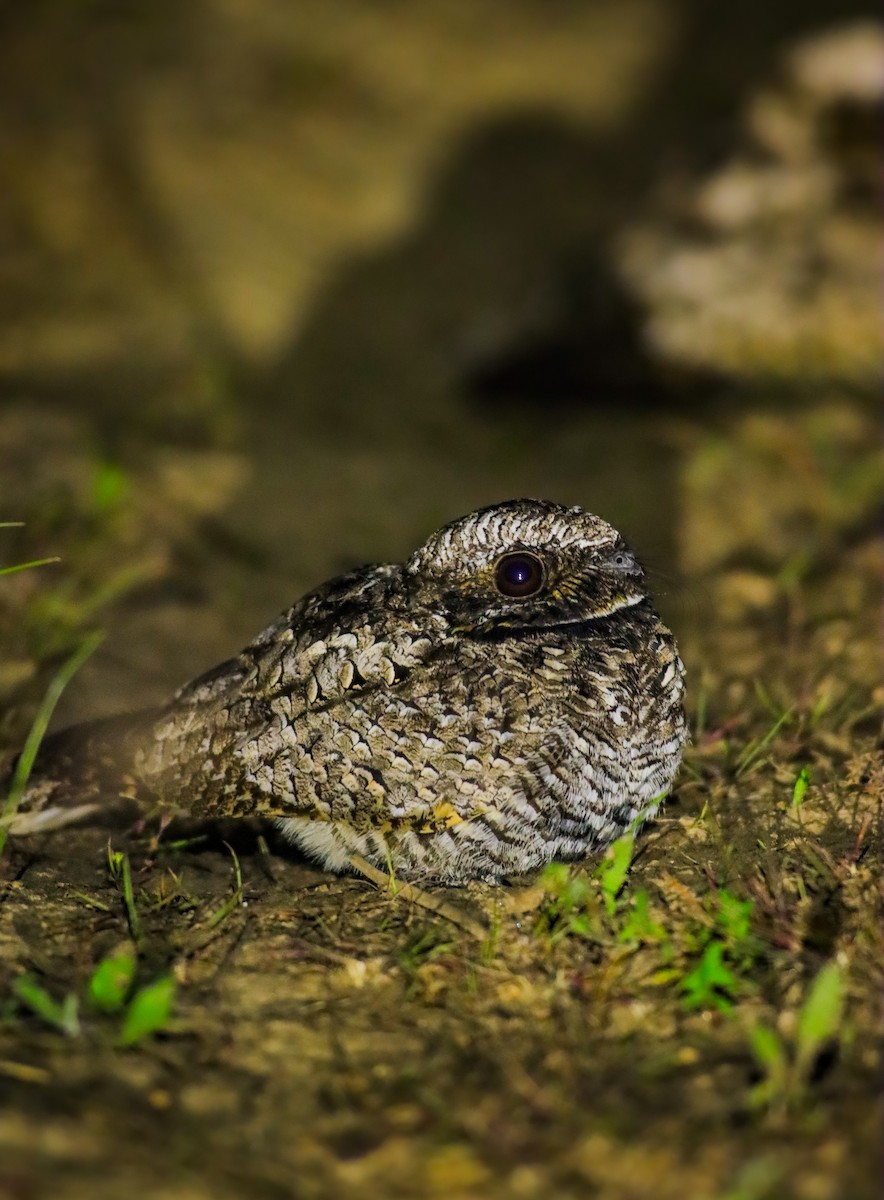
(525, 565)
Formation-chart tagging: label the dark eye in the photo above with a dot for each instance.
(623, 560)
(519, 574)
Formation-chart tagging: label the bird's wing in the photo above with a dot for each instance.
(269, 732)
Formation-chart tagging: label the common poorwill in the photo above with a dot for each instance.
(505, 697)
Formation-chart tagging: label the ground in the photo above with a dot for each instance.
(696, 1013)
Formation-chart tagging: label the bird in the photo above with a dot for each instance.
(506, 697)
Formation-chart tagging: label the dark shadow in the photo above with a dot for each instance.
(594, 354)
(506, 289)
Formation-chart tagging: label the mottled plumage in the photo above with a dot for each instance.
(506, 697)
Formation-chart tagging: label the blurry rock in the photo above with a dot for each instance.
(778, 491)
(195, 176)
(740, 594)
(771, 268)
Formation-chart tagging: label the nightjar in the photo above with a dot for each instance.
(505, 697)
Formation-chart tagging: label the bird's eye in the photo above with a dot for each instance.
(623, 560)
(519, 574)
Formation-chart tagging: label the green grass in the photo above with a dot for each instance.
(120, 1011)
(120, 870)
(788, 1060)
(111, 1005)
(24, 566)
(706, 959)
(25, 762)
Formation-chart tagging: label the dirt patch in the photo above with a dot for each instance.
(328, 1037)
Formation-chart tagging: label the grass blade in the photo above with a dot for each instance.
(26, 566)
(41, 723)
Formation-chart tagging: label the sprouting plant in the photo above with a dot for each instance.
(573, 907)
(788, 1062)
(148, 1011)
(613, 869)
(726, 950)
(733, 918)
(711, 984)
(111, 992)
(638, 924)
(802, 783)
(120, 871)
(111, 981)
(571, 896)
(63, 1016)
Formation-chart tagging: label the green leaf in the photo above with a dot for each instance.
(554, 877)
(767, 1047)
(802, 783)
(149, 1011)
(734, 915)
(111, 981)
(639, 926)
(109, 486)
(711, 982)
(614, 868)
(820, 1013)
(35, 997)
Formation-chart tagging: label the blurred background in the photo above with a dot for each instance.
(284, 287)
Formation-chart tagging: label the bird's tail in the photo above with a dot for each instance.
(82, 772)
